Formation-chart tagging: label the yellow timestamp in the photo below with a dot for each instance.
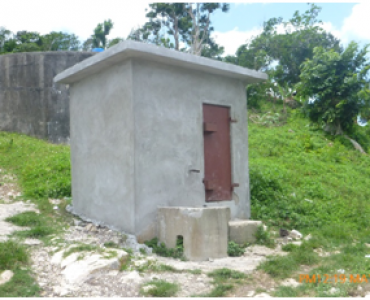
(335, 278)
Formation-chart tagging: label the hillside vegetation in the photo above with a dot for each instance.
(301, 178)
(305, 179)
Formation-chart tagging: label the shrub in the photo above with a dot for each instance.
(263, 238)
(235, 249)
(162, 250)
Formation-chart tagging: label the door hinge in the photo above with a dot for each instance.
(209, 127)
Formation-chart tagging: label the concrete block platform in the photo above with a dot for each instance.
(204, 230)
(243, 231)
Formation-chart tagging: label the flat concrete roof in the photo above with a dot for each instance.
(131, 49)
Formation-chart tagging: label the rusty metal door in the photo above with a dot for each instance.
(217, 152)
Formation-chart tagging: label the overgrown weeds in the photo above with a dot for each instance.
(234, 249)
(162, 250)
(263, 238)
(224, 280)
(160, 288)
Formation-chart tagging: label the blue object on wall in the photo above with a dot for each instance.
(97, 50)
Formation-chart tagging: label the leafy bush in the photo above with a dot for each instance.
(234, 249)
(263, 237)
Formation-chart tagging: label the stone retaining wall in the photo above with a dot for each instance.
(30, 103)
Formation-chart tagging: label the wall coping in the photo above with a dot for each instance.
(132, 49)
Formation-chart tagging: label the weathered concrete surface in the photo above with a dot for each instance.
(169, 139)
(102, 148)
(243, 231)
(30, 102)
(137, 130)
(204, 230)
(131, 49)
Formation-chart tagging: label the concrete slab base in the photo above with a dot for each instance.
(243, 231)
(204, 230)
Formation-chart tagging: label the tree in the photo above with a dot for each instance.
(184, 22)
(4, 37)
(172, 17)
(339, 85)
(212, 50)
(99, 38)
(289, 49)
(201, 23)
(114, 41)
(27, 41)
(59, 41)
(142, 35)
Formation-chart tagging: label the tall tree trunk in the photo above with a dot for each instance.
(176, 35)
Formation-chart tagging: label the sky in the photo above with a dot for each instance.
(347, 21)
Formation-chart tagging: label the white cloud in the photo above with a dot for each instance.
(355, 27)
(231, 40)
(75, 16)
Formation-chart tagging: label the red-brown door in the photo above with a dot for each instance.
(217, 152)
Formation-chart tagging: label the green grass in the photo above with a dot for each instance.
(153, 266)
(286, 291)
(21, 285)
(224, 274)
(234, 249)
(14, 257)
(302, 178)
(263, 238)
(41, 225)
(161, 288)
(162, 250)
(283, 266)
(43, 169)
(81, 248)
(111, 245)
(224, 280)
(289, 247)
(220, 290)
(288, 167)
(29, 218)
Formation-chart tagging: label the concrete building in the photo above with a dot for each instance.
(152, 127)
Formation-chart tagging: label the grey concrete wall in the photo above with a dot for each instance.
(169, 139)
(102, 147)
(30, 102)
